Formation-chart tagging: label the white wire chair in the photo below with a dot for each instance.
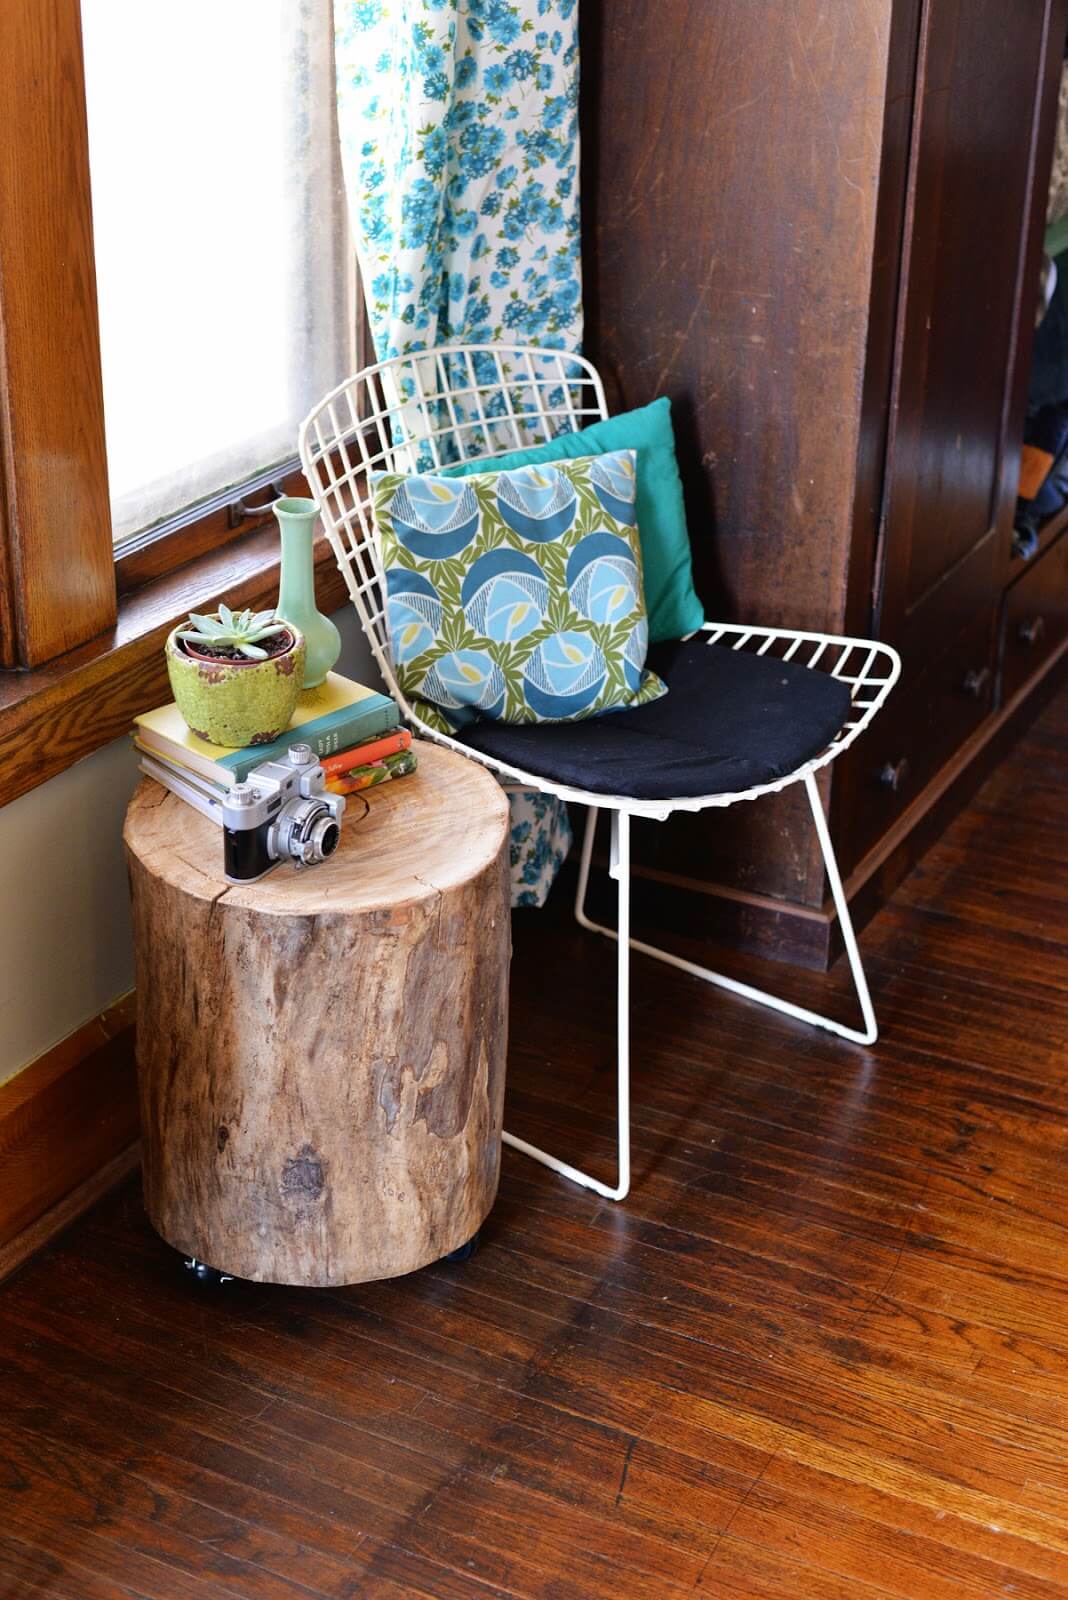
(426, 410)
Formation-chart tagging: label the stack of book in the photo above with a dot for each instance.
(371, 763)
(353, 730)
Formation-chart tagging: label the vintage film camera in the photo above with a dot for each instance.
(281, 812)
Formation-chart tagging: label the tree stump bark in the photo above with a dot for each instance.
(321, 1055)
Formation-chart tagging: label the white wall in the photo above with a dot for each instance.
(64, 926)
(65, 949)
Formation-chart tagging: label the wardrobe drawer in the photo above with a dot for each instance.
(1035, 617)
(926, 719)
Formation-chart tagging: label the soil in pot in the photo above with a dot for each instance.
(274, 646)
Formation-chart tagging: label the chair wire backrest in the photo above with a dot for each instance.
(422, 412)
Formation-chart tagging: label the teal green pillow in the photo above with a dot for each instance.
(516, 595)
(670, 599)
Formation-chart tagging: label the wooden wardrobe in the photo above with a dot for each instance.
(818, 228)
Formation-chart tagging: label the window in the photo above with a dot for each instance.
(224, 254)
(225, 275)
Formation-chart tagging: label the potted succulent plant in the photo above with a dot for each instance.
(236, 675)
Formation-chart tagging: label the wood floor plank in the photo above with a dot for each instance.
(820, 1352)
(31, 1574)
(54, 1478)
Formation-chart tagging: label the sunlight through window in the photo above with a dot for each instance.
(224, 268)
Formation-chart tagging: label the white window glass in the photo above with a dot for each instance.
(224, 268)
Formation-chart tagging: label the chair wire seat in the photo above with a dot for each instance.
(423, 411)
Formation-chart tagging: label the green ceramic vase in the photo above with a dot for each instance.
(236, 703)
(296, 592)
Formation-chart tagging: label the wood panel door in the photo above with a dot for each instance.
(974, 220)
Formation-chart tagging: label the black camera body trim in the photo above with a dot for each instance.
(246, 856)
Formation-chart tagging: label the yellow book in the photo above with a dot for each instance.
(336, 715)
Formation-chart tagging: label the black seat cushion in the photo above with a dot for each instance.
(730, 721)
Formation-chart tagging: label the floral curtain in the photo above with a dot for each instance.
(459, 136)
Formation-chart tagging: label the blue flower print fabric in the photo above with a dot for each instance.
(516, 595)
(459, 134)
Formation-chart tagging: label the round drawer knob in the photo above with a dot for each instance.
(976, 681)
(1031, 632)
(894, 774)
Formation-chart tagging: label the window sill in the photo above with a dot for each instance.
(52, 717)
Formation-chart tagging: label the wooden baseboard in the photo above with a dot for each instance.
(67, 1125)
(66, 1211)
(876, 877)
(722, 917)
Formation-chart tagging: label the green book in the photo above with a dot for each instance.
(335, 716)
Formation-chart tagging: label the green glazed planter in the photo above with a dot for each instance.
(237, 703)
(296, 591)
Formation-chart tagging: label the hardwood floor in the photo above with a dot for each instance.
(820, 1353)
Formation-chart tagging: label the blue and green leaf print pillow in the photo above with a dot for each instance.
(516, 595)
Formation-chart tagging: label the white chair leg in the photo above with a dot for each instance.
(620, 870)
(866, 1035)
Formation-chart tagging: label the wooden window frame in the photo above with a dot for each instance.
(57, 565)
(82, 624)
(203, 529)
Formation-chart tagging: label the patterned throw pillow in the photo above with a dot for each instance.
(516, 595)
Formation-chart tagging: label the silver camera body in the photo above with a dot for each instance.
(281, 812)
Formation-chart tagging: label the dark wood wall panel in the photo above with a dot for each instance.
(731, 162)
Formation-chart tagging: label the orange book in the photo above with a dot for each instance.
(375, 772)
(1034, 470)
(360, 755)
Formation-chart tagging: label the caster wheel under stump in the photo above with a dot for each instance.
(209, 1276)
(465, 1252)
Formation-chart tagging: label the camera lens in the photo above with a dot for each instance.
(306, 831)
(324, 840)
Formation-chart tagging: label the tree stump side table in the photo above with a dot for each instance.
(321, 1054)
